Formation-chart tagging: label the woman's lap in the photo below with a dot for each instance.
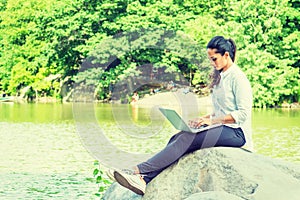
(219, 136)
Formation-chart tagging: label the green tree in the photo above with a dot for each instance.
(46, 35)
(43, 44)
(266, 34)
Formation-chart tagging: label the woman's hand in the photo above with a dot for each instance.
(198, 122)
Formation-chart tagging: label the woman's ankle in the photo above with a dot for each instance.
(136, 170)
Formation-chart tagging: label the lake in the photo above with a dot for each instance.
(48, 150)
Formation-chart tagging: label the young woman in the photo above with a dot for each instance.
(232, 105)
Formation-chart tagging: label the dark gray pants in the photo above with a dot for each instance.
(185, 142)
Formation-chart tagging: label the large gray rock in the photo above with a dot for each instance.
(213, 195)
(220, 173)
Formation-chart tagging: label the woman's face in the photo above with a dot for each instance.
(218, 61)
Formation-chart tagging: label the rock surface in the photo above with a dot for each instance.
(220, 173)
(213, 196)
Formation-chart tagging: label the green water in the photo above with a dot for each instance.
(276, 133)
(43, 155)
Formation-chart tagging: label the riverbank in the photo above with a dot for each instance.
(179, 97)
(166, 98)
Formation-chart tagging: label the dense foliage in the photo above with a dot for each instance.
(44, 43)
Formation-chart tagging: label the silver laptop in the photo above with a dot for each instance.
(180, 124)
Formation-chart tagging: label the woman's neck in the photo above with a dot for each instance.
(229, 64)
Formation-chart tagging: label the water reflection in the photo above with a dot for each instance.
(34, 112)
(276, 133)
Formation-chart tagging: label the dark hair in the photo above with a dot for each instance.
(222, 45)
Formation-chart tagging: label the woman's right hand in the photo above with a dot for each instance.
(198, 122)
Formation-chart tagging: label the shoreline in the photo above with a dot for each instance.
(171, 98)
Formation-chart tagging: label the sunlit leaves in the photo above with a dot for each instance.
(44, 38)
